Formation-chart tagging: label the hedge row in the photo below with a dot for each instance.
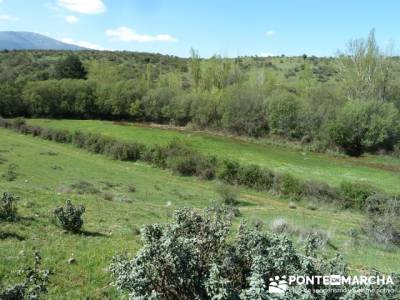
(184, 161)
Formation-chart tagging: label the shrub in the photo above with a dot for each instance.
(206, 167)
(196, 256)
(229, 194)
(70, 217)
(365, 125)
(11, 172)
(287, 184)
(184, 165)
(79, 139)
(355, 194)
(156, 155)
(8, 207)
(281, 226)
(376, 204)
(61, 136)
(84, 187)
(384, 227)
(18, 122)
(319, 190)
(229, 171)
(33, 286)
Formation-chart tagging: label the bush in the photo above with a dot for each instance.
(156, 155)
(384, 227)
(281, 226)
(198, 255)
(355, 194)
(33, 286)
(319, 190)
(255, 177)
(70, 217)
(365, 125)
(376, 204)
(287, 184)
(8, 207)
(18, 122)
(229, 194)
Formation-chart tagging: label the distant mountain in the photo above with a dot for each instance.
(21, 40)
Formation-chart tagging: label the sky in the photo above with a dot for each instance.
(224, 27)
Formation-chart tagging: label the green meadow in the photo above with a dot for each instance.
(380, 171)
(120, 197)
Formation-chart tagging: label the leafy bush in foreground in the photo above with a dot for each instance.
(70, 217)
(8, 207)
(196, 257)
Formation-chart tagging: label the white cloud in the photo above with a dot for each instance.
(83, 6)
(8, 18)
(266, 54)
(126, 34)
(270, 33)
(71, 19)
(82, 44)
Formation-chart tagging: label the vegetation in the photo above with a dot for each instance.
(111, 225)
(208, 193)
(192, 257)
(70, 217)
(348, 103)
(8, 207)
(34, 284)
(187, 162)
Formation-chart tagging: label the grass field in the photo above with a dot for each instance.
(380, 171)
(46, 171)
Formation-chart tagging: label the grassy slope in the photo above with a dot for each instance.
(380, 171)
(112, 223)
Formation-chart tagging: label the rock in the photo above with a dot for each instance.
(72, 260)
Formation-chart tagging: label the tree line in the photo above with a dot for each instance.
(349, 103)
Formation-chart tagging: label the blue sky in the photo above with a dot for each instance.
(228, 28)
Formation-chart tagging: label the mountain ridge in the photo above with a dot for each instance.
(25, 40)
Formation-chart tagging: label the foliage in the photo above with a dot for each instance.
(383, 222)
(192, 257)
(363, 125)
(229, 194)
(355, 194)
(308, 99)
(8, 207)
(70, 217)
(33, 286)
(70, 67)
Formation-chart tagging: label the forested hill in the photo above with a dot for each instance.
(349, 102)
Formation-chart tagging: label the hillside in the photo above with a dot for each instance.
(49, 173)
(20, 40)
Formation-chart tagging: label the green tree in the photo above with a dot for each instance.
(70, 67)
(365, 70)
(365, 125)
